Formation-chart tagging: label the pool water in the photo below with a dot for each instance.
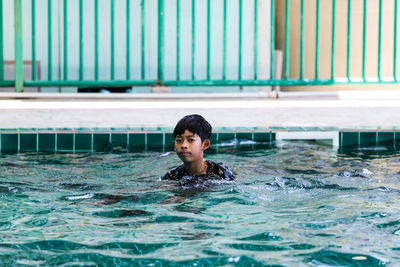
(299, 204)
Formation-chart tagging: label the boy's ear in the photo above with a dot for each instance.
(206, 144)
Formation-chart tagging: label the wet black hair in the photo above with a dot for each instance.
(195, 124)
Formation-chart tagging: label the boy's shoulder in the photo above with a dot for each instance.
(214, 170)
(220, 170)
(176, 173)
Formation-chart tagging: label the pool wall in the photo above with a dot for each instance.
(134, 140)
(80, 123)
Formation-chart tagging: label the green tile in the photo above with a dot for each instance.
(273, 137)
(137, 142)
(119, 140)
(100, 141)
(65, 142)
(350, 139)
(225, 136)
(244, 135)
(386, 139)
(83, 142)
(9, 143)
(169, 141)
(155, 140)
(368, 139)
(28, 142)
(397, 140)
(47, 142)
(262, 137)
(214, 138)
(137, 139)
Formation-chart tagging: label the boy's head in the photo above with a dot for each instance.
(191, 138)
(195, 124)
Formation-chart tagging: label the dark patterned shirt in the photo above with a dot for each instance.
(214, 172)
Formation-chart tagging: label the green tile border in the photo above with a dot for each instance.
(86, 140)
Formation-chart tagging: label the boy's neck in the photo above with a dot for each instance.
(196, 168)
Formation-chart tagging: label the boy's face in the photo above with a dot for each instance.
(189, 147)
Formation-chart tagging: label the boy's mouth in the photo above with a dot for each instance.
(184, 153)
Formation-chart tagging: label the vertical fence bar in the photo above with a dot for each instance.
(287, 52)
(224, 48)
(33, 40)
(143, 74)
(380, 40)
(395, 42)
(128, 51)
(49, 38)
(18, 46)
(302, 40)
(317, 42)
(333, 39)
(240, 40)
(80, 39)
(112, 74)
(177, 39)
(348, 38)
(1, 43)
(208, 38)
(364, 39)
(65, 40)
(255, 39)
(193, 38)
(160, 74)
(272, 69)
(96, 39)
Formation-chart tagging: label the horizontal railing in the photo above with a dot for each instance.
(197, 43)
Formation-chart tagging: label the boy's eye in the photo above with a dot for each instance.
(192, 140)
(178, 140)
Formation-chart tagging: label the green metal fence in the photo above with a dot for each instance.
(287, 78)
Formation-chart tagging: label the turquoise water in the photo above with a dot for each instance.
(300, 204)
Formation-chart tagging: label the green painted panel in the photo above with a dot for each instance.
(47, 142)
(28, 142)
(83, 142)
(65, 142)
(262, 137)
(100, 141)
(119, 140)
(155, 140)
(397, 140)
(225, 136)
(386, 139)
(368, 139)
(137, 141)
(214, 138)
(169, 141)
(9, 143)
(350, 139)
(244, 135)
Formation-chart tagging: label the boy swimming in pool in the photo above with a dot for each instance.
(191, 138)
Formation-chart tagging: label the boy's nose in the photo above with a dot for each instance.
(184, 144)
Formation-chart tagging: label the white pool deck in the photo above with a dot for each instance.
(343, 109)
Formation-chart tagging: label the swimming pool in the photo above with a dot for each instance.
(301, 203)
